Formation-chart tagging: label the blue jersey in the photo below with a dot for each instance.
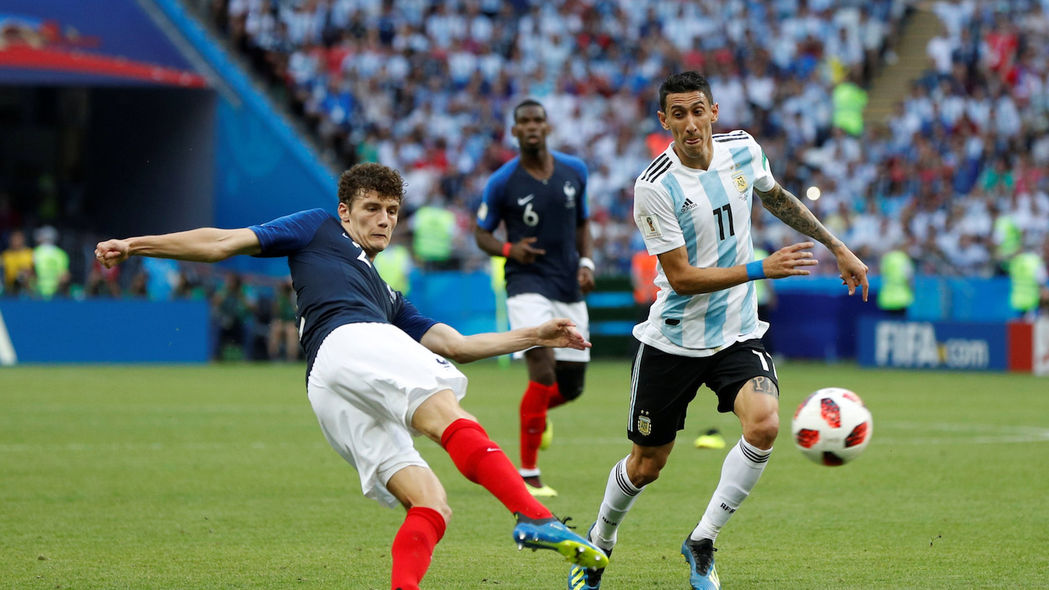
(550, 210)
(335, 282)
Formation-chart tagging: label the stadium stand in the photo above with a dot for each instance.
(426, 87)
(954, 170)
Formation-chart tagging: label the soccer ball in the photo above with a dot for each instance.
(832, 426)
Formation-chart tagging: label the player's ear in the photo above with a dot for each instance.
(344, 212)
(714, 113)
(663, 119)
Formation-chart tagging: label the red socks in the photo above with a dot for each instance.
(533, 420)
(484, 463)
(555, 398)
(413, 546)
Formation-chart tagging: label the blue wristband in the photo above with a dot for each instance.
(755, 270)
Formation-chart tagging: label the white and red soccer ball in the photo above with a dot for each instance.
(832, 426)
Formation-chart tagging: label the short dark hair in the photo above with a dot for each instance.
(384, 180)
(528, 102)
(684, 82)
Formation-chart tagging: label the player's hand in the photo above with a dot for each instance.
(560, 333)
(586, 279)
(111, 252)
(852, 271)
(524, 252)
(789, 261)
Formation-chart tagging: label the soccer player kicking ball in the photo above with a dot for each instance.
(693, 207)
(375, 370)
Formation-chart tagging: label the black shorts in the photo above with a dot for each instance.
(663, 384)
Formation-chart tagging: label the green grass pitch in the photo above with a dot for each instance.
(218, 477)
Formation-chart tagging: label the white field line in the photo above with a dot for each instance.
(959, 434)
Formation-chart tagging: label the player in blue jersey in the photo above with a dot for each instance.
(375, 373)
(540, 199)
(693, 206)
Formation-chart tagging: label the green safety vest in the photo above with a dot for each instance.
(50, 262)
(392, 265)
(1023, 277)
(849, 101)
(434, 228)
(896, 272)
(1011, 236)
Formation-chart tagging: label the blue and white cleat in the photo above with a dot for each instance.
(585, 578)
(550, 533)
(700, 558)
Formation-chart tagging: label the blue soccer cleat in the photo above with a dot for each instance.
(700, 558)
(550, 533)
(585, 578)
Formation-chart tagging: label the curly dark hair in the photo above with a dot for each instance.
(684, 82)
(369, 176)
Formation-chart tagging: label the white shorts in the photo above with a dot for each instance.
(365, 385)
(531, 309)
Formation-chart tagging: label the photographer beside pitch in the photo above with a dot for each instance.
(352, 326)
(693, 208)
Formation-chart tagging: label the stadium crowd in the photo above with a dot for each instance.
(956, 176)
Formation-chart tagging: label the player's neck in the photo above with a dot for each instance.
(539, 163)
(700, 161)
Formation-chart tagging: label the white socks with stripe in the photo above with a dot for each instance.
(740, 472)
(620, 495)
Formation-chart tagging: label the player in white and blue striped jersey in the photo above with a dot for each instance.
(693, 206)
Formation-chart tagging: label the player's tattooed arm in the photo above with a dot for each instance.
(765, 385)
(790, 210)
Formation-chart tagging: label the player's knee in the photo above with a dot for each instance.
(440, 506)
(643, 470)
(762, 432)
(445, 511)
(571, 378)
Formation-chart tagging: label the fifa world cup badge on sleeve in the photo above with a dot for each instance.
(650, 226)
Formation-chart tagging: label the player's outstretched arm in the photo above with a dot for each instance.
(790, 210)
(206, 244)
(448, 342)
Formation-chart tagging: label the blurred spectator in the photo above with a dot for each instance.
(283, 333)
(849, 101)
(18, 264)
(50, 263)
(162, 277)
(897, 277)
(233, 311)
(433, 230)
(642, 278)
(102, 281)
(1027, 283)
